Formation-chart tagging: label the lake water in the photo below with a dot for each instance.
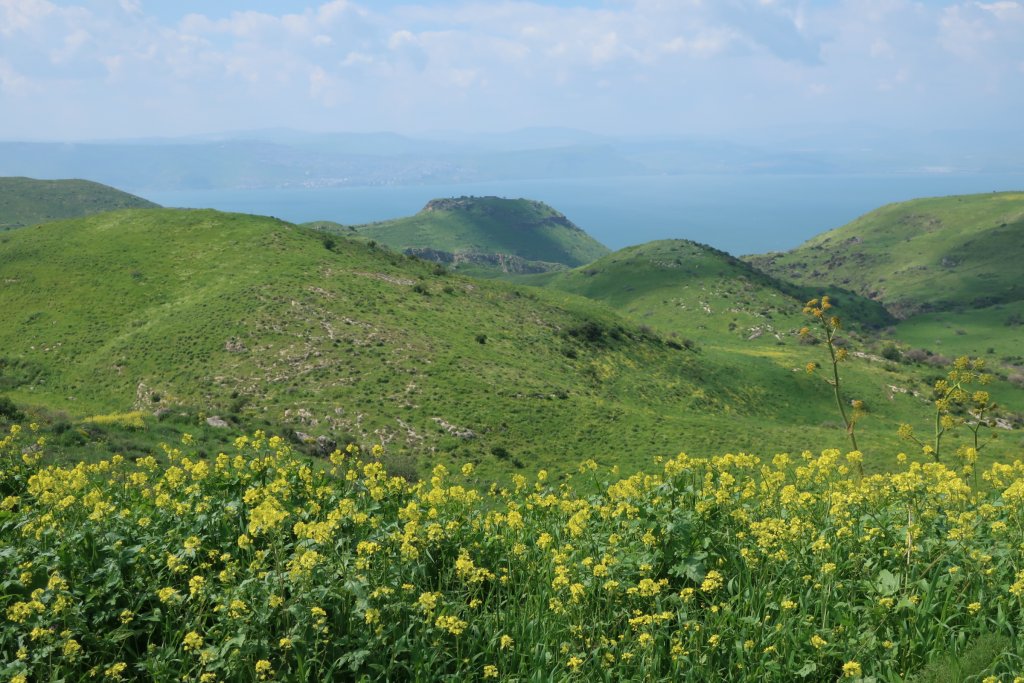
(744, 214)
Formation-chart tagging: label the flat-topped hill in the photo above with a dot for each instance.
(489, 234)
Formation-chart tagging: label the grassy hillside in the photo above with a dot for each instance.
(744, 320)
(692, 288)
(489, 235)
(948, 253)
(255, 320)
(262, 323)
(25, 201)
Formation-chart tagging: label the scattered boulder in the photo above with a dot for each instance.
(320, 446)
(235, 345)
(217, 422)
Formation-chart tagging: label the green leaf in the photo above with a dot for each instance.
(887, 583)
(807, 669)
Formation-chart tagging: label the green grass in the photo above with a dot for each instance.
(262, 323)
(256, 321)
(489, 235)
(745, 325)
(947, 253)
(26, 201)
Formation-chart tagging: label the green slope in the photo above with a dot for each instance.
(489, 235)
(694, 289)
(26, 201)
(948, 253)
(747, 322)
(267, 324)
(254, 320)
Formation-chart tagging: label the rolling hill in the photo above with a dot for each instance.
(696, 290)
(256, 321)
(939, 254)
(658, 348)
(489, 235)
(26, 201)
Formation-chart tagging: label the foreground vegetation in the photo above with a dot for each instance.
(261, 565)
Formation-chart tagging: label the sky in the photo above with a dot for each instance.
(107, 69)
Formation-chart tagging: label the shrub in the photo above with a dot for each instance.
(9, 411)
(891, 352)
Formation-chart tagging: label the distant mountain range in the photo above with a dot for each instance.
(285, 158)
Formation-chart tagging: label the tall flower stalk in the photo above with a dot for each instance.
(829, 325)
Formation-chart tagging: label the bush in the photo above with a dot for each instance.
(891, 352)
(9, 411)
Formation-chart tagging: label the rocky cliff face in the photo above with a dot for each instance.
(506, 263)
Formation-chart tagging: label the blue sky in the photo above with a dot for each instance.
(92, 69)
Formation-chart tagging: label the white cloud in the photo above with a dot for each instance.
(19, 15)
(508, 63)
(12, 82)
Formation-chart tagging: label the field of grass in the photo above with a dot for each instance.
(467, 540)
(252, 566)
(995, 332)
(26, 201)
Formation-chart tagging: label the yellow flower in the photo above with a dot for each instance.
(490, 671)
(712, 581)
(974, 607)
(114, 671)
(818, 642)
(452, 624)
(264, 670)
(507, 642)
(428, 601)
(193, 641)
(574, 663)
(852, 669)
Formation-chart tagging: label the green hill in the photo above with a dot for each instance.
(261, 323)
(693, 289)
(489, 235)
(744, 320)
(255, 321)
(26, 201)
(925, 255)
